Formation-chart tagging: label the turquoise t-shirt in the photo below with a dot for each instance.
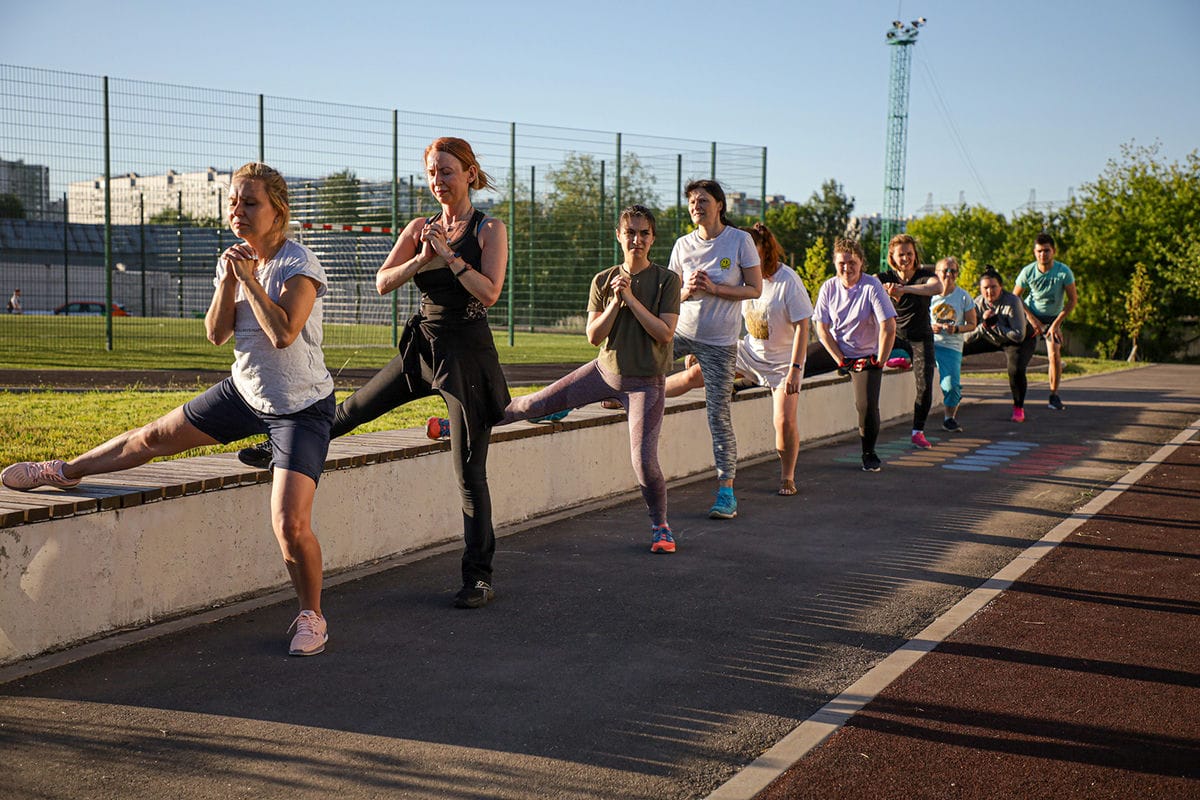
(1044, 290)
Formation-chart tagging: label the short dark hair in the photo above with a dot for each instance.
(990, 272)
(1045, 238)
(713, 188)
(637, 210)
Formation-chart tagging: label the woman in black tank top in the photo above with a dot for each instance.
(457, 258)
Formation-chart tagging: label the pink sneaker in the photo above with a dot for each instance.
(1018, 414)
(311, 634)
(919, 441)
(26, 475)
(899, 362)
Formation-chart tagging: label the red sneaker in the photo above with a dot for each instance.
(1018, 414)
(919, 441)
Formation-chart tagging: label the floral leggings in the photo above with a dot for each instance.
(643, 398)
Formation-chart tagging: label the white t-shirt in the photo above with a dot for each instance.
(770, 320)
(950, 309)
(280, 380)
(705, 318)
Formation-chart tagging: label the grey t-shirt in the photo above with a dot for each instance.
(280, 380)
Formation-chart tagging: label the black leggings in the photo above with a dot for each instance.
(1018, 357)
(866, 392)
(922, 365)
(390, 388)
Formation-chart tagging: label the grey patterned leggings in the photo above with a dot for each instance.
(717, 366)
(643, 399)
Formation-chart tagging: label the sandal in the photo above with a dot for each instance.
(612, 404)
(787, 488)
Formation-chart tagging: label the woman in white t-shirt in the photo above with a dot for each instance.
(267, 297)
(773, 351)
(951, 314)
(719, 268)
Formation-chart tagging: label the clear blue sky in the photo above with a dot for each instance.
(1042, 93)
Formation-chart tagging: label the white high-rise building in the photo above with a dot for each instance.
(29, 183)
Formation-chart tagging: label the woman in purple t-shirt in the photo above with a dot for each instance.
(856, 325)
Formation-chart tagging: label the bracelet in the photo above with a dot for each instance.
(466, 267)
(797, 366)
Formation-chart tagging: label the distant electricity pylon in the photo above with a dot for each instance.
(901, 37)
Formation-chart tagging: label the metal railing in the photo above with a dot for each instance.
(115, 191)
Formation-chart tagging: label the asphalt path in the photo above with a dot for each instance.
(601, 671)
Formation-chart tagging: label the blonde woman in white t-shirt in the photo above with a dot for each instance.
(267, 298)
(773, 351)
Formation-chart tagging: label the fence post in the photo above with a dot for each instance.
(763, 210)
(179, 251)
(512, 223)
(108, 330)
(66, 253)
(396, 217)
(616, 203)
(262, 139)
(532, 210)
(142, 242)
(714, 162)
(678, 194)
(602, 199)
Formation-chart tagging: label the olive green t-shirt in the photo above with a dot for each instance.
(629, 350)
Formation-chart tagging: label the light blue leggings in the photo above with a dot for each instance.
(949, 364)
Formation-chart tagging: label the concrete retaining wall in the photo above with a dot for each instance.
(64, 581)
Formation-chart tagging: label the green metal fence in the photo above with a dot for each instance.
(116, 192)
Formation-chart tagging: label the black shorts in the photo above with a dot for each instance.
(299, 441)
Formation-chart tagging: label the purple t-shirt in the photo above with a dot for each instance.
(853, 315)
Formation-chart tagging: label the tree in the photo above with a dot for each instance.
(1139, 210)
(11, 207)
(170, 215)
(338, 197)
(816, 267)
(825, 214)
(966, 229)
(1139, 306)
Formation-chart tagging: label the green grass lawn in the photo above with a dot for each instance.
(41, 425)
(1073, 366)
(48, 342)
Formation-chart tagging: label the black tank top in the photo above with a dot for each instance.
(443, 296)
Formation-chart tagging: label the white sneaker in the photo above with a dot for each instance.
(311, 634)
(26, 475)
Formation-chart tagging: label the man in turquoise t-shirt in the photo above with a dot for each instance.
(1049, 283)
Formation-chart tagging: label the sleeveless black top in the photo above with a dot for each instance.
(448, 346)
(443, 296)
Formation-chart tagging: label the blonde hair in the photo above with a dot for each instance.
(275, 185)
(902, 239)
(461, 149)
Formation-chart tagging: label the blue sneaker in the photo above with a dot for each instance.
(726, 505)
(555, 417)
(661, 540)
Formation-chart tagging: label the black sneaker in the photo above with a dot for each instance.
(951, 424)
(871, 462)
(476, 596)
(256, 455)
(1055, 403)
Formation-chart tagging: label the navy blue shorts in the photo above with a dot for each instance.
(299, 441)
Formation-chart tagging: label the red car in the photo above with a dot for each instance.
(90, 308)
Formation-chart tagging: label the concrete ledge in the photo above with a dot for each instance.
(171, 538)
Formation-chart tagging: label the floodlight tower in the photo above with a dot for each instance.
(901, 38)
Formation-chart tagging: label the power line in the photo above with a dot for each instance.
(955, 136)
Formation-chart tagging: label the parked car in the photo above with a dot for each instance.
(90, 307)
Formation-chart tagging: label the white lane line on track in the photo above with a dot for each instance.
(805, 737)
